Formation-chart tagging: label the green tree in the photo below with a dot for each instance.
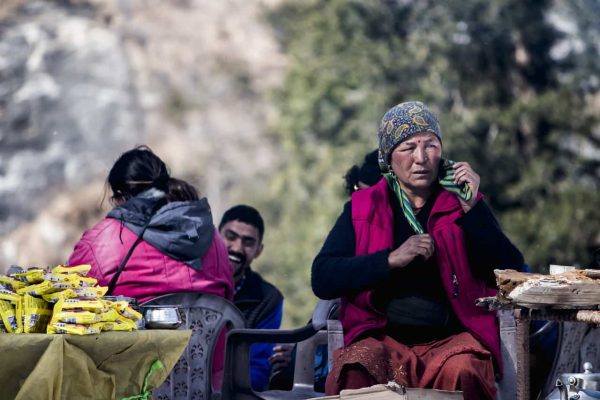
(508, 104)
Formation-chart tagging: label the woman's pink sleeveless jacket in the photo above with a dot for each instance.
(373, 218)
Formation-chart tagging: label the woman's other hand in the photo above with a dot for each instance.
(414, 246)
(463, 173)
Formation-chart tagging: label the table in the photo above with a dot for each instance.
(111, 365)
(522, 317)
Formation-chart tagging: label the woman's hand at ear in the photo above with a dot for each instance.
(464, 174)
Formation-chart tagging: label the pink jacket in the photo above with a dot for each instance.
(372, 218)
(183, 230)
(149, 273)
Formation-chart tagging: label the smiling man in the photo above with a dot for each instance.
(242, 229)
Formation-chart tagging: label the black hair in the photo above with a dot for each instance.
(245, 214)
(180, 190)
(136, 171)
(368, 173)
(351, 179)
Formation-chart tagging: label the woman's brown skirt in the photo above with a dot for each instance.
(458, 362)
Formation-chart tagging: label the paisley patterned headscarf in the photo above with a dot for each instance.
(398, 124)
(401, 122)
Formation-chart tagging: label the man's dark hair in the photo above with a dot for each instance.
(246, 214)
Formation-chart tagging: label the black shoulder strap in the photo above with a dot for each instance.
(115, 278)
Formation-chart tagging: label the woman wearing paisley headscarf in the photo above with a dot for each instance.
(408, 257)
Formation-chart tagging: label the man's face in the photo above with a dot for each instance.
(416, 161)
(243, 244)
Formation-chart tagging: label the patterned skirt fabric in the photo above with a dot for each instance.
(458, 362)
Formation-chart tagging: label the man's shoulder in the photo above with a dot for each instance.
(255, 281)
(257, 299)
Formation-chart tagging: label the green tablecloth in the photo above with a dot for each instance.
(110, 365)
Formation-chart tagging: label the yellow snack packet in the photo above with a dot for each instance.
(19, 314)
(11, 283)
(81, 270)
(9, 317)
(61, 278)
(87, 305)
(30, 276)
(56, 296)
(110, 315)
(9, 295)
(76, 317)
(74, 329)
(95, 292)
(42, 288)
(131, 314)
(120, 305)
(36, 314)
(119, 325)
(86, 281)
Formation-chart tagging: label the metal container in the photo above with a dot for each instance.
(162, 316)
(580, 386)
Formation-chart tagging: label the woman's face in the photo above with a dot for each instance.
(416, 161)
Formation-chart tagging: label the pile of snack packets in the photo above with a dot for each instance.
(60, 300)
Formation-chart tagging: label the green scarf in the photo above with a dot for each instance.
(446, 180)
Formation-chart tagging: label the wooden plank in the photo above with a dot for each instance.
(508, 279)
(572, 288)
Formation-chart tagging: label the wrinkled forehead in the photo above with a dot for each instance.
(422, 137)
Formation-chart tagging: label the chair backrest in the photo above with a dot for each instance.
(206, 315)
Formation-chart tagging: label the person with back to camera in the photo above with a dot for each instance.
(242, 229)
(159, 235)
(408, 257)
(179, 249)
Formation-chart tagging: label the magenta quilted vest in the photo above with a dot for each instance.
(372, 218)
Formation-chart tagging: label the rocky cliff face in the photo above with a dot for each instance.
(83, 81)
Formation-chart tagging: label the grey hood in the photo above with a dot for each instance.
(182, 230)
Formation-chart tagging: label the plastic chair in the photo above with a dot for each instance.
(236, 380)
(206, 315)
(324, 329)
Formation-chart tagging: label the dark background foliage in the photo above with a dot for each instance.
(515, 91)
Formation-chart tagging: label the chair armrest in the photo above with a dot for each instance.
(236, 376)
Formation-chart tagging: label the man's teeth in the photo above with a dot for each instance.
(234, 259)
